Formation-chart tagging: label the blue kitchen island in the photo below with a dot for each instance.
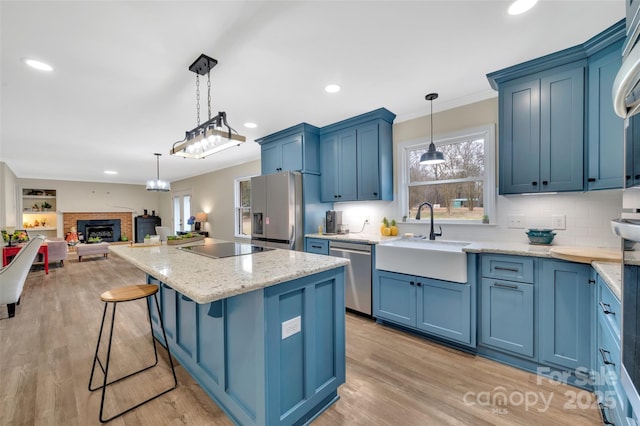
(262, 333)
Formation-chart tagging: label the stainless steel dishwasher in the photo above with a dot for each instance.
(357, 281)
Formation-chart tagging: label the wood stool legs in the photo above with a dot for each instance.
(105, 368)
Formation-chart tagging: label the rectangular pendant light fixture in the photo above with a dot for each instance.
(215, 134)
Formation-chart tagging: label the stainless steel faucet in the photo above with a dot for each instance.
(432, 234)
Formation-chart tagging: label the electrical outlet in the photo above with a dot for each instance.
(559, 221)
(515, 221)
(291, 327)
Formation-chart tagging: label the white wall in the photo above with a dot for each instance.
(213, 193)
(8, 207)
(587, 214)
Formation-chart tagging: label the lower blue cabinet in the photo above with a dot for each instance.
(566, 314)
(395, 298)
(439, 308)
(507, 318)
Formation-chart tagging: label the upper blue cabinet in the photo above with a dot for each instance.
(557, 128)
(292, 149)
(356, 158)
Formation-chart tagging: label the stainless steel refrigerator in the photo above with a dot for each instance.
(277, 211)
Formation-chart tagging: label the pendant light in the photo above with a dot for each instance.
(432, 156)
(158, 184)
(215, 134)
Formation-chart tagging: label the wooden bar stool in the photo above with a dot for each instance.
(115, 296)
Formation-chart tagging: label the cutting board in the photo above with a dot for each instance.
(586, 254)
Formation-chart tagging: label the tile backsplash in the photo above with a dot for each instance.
(586, 215)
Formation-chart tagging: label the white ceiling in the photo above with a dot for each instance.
(121, 89)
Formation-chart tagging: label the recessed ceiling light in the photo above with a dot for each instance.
(250, 125)
(521, 6)
(332, 88)
(110, 172)
(39, 65)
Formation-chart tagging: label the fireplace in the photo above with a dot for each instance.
(107, 229)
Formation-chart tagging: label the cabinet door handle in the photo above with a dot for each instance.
(419, 284)
(375, 194)
(544, 182)
(603, 353)
(534, 183)
(636, 177)
(627, 177)
(606, 308)
(412, 283)
(604, 416)
(502, 268)
(335, 196)
(591, 180)
(503, 285)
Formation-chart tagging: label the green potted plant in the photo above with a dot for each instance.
(46, 206)
(485, 218)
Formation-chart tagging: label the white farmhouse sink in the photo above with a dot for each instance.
(442, 260)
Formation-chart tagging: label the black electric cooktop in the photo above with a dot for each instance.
(219, 250)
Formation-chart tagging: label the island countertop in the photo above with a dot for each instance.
(205, 280)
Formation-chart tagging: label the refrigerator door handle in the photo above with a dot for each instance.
(292, 236)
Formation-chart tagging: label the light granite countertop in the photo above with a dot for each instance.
(353, 237)
(516, 249)
(205, 280)
(611, 273)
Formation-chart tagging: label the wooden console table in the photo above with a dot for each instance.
(8, 252)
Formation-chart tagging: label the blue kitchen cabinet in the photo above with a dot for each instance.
(292, 149)
(507, 304)
(507, 316)
(541, 113)
(444, 309)
(632, 155)
(566, 309)
(605, 129)
(316, 245)
(438, 308)
(235, 348)
(356, 158)
(374, 161)
(541, 131)
(394, 298)
(338, 180)
(611, 396)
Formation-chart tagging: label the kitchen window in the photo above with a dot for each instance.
(243, 207)
(461, 189)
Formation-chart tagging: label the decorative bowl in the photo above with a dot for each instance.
(540, 236)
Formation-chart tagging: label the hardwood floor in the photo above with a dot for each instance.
(393, 378)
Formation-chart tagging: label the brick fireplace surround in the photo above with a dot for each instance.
(70, 219)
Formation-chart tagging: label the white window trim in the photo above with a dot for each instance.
(487, 132)
(236, 203)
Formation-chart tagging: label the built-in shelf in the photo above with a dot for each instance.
(33, 211)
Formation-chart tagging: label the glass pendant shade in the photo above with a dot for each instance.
(158, 184)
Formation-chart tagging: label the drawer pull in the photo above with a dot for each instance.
(604, 416)
(502, 285)
(606, 308)
(603, 353)
(314, 246)
(502, 268)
